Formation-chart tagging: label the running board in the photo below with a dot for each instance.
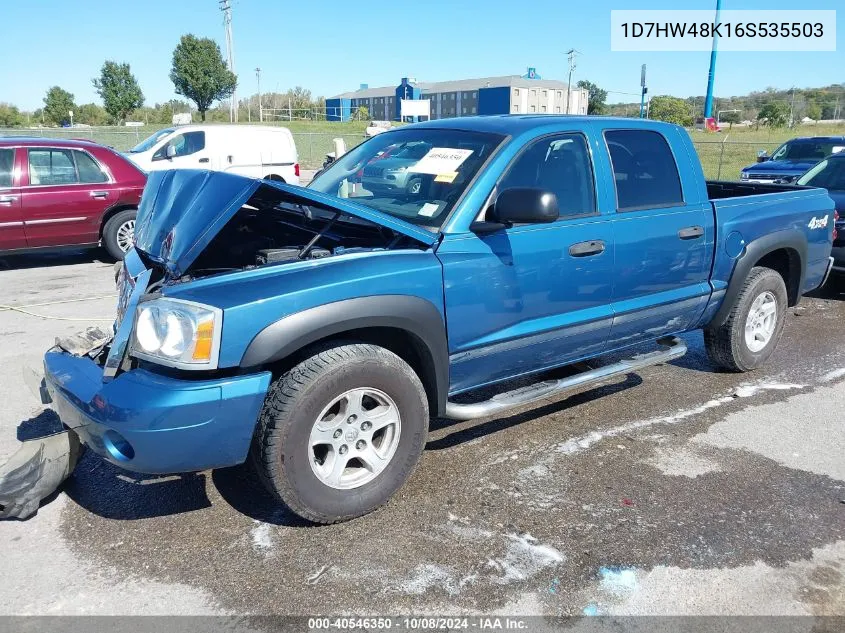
(672, 348)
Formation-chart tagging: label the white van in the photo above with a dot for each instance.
(249, 150)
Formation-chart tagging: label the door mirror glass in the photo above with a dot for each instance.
(525, 205)
(170, 151)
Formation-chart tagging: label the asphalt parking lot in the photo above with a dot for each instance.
(676, 490)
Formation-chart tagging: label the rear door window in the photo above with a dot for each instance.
(51, 167)
(88, 169)
(7, 162)
(644, 170)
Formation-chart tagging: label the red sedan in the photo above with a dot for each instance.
(64, 193)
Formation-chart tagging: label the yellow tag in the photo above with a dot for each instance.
(448, 178)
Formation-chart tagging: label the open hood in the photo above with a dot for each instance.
(182, 210)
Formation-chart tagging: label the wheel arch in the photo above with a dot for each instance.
(784, 252)
(113, 211)
(410, 327)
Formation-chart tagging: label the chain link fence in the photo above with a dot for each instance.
(721, 160)
(312, 146)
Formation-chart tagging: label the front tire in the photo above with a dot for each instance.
(754, 326)
(119, 233)
(341, 432)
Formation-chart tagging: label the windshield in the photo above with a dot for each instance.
(149, 143)
(414, 174)
(807, 150)
(829, 174)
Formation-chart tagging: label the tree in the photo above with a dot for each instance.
(119, 90)
(596, 104)
(57, 104)
(774, 114)
(814, 111)
(199, 72)
(730, 118)
(91, 114)
(10, 116)
(670, 109)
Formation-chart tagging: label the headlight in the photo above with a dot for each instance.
(177, 333)
(743, 176)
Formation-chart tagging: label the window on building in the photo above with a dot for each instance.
(560, 164)
(545, 94)
(644, 170)
(453, 96)
(515, 107)
(533, 108)
(542, 108)
(559, 94)
(516, 92)
(473, 109)
(557, 109)
(533, 92)
(475, 95)
(464, 110)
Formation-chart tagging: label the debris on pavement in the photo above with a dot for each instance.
(35, 471)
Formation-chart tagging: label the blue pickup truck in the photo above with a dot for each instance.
(792, 159)
(313, 332)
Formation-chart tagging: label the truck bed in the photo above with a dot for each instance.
(719, 189)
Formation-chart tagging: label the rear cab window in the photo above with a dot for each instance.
(645, 173)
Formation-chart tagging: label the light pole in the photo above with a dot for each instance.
(258, 80)
(711, 75)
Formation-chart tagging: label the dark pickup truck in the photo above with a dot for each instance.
(314, 332)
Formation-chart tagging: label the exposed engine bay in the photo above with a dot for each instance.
(267, 232)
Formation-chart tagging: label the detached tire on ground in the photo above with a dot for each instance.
(341, 432)
(754, 326)
(119, 232)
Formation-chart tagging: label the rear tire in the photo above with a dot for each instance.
(754, 326)
(313, 459)
(119, 233)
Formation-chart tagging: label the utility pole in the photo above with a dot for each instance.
(711, 75)
(226, 8)
(792, 108)
(643, 92)
(571, 55)
(258, 80)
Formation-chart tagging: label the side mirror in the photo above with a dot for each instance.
(525, 205)
(762, 156)
(170, 151)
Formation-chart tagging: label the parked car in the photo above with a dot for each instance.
(315, 332)
(256, 151)
(62, 193)
(391, 173)
(830, 174)
(792, 159)
(377, 127)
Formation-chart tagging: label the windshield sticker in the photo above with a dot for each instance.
(837, 149)
(429, 209)
(441, 160)
(447, 178)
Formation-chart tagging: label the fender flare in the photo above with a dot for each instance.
(413, 315)
(753, 253)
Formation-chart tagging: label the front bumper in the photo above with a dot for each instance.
(149, 423)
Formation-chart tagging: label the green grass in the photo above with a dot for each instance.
(314, 139)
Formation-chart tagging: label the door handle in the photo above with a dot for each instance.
(585, 249)
(691, 232)
(99, 194)
(203, 160)
(7, 199)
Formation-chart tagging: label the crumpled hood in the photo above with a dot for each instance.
(790, 167)
(183, 209)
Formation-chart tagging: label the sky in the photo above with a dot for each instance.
(330, 47)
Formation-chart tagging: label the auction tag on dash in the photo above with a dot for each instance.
(447, 178)
(441, 160)
(429, 209)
